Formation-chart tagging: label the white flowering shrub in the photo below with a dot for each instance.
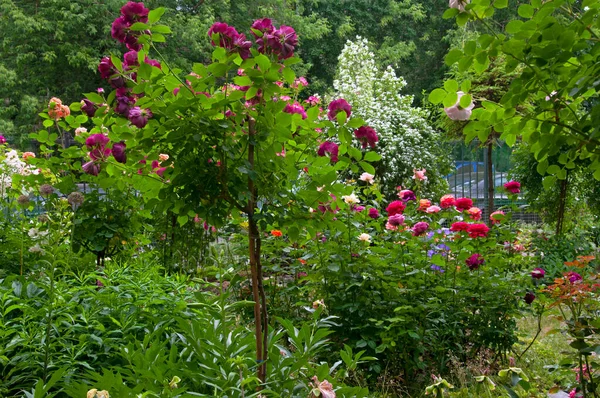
(406, 140)
(11, 163)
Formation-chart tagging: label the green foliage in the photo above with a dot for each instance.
(553, 104)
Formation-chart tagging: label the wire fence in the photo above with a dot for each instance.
(469, 179)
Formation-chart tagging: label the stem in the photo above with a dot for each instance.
(258, 292)
(22, 242)
(49, 324)
(589, 369)
(536, 334)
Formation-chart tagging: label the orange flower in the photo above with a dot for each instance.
(302, 261)
(276, 233)
(27, 155)
(424, 204)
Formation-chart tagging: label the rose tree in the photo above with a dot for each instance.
(229, 139)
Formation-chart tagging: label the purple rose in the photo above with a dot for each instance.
(135, 12)
(91, 168)
(139, 117)
(475, 261)
(367, 136)
(330, 148)
(339, 105)
(295, 108)
(96, 140)
(120, 29)
(106, 68)
(130, 59)
(396, 220)
(420, 228)
(118, 152)
(538, 273)
(264, 25)
(529, 297)
(373, 213)
(88, 107)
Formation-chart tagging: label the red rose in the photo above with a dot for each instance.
(459, 226)
(396, 207)
(513, 187)
(477, 230)
(463, 204)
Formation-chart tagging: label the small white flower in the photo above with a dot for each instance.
(36, 249)
(364, 237)
(366, 177)
(351, 199)
(80, 130)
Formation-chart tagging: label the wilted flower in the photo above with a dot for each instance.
(75, 199)
(456, 112)
(513, 187)
(330, 148)
(458, 4)
(538, 273)
(322, 389)
(88, 107)
(23, 200)
(367, 136)
(91, 168)
(46, 190)
(339, 105)
(364, 237)
(173, 384)
(366, 177)
(419, 174)
(463, 204)
(351, 199)
(475, 261)
(420, 228)
(318, 304)
(447, 201)
(396, 207)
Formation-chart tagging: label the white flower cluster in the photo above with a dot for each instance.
(11, 164)
(406, 140)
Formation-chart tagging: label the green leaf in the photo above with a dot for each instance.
(548, 182)
(95, 98)
(465, 86)
(251, 93)
(48, 123)
(437, 96)
(451, 86)
(450, 100)
(139, 26)
(465, 100)
(372, 157)
(161, 29)
(263, 62)
(367, 167)
(453, 56)
(450, 13)
(462, 19)
(500, 4)
(158, 38)
(154, 15)
(182, 219)
(289, 75)
(526, 11)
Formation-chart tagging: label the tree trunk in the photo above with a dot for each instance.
(490, 178)
(562, 202)
(261, 324)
